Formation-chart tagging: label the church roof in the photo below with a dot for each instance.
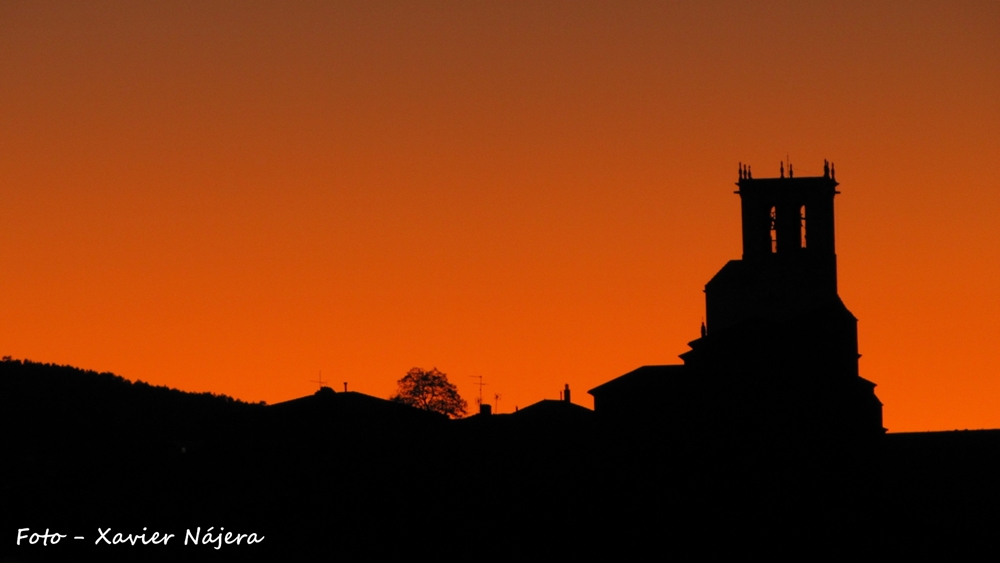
(640, 378)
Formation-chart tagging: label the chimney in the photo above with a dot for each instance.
(565, 395)
(485, 409)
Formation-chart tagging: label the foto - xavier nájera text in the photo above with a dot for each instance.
(105, 536)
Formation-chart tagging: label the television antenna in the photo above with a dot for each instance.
(482, 384)
(320, 381)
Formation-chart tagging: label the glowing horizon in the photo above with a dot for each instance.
(230, 198)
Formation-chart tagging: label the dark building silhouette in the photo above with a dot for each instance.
(778, 354)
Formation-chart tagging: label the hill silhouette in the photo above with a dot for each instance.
(42, 395)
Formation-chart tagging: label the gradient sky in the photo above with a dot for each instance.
(233, 196)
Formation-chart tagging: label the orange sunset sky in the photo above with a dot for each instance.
(233, 196)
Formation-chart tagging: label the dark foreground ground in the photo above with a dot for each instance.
(343, 476)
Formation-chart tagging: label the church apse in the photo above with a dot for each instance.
(778, 352)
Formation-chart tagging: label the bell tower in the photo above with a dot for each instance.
(788, 218)
(789, 254)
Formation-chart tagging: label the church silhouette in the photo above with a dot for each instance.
(778, 353)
